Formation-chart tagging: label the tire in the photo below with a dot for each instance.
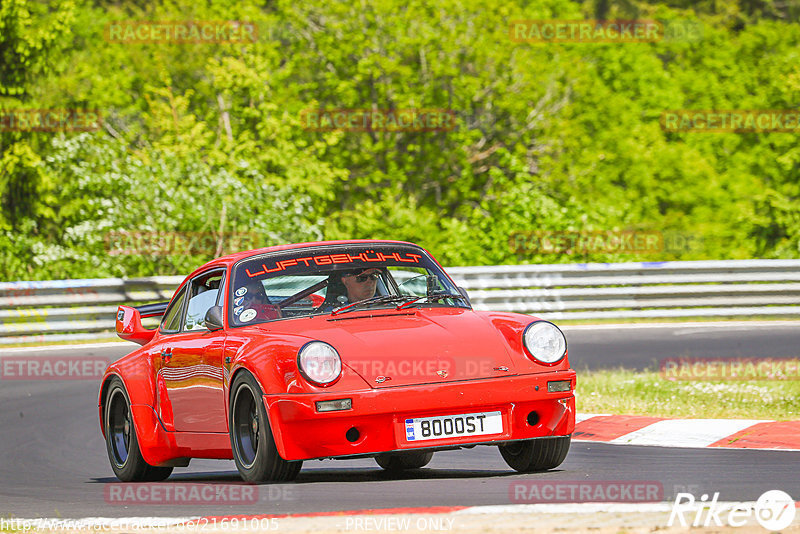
(535, 454)
(253, 446)
(404, 460)
(121, 442)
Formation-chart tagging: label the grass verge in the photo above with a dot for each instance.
(646, 393)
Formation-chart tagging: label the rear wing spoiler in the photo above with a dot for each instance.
(129, 321)
(152, 310)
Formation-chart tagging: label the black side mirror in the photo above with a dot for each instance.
(214, 318)
(464, 294)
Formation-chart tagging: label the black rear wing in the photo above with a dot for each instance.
(152, 310)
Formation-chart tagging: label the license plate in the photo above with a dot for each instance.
(447, 426)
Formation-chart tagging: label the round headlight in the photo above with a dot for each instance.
(545, 341)
(319, 363)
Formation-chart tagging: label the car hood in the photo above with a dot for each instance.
(395, 348)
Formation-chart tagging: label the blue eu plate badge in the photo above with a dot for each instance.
(410, 429)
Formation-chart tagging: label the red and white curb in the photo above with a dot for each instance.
(714, 433)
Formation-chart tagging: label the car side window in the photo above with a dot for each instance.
(203, 294)
(172, 316)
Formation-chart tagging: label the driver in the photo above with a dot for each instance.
(361, 283)
(346, 287)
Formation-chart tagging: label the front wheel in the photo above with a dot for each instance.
(121, 442)
(254, 449)
(535, 454)
(404, 460)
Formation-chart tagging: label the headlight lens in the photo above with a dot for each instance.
(545, 341)
(319, 362)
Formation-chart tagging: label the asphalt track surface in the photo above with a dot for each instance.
(644, 346)
(53, 461)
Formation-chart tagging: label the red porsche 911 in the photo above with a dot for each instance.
(341, 349)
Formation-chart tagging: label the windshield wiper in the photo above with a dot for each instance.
(434, 296)
(383, 299)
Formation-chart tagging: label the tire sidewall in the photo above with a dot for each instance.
(134, 465)
(534, 455)
(255, 472)
(405, 460)
(521, 459)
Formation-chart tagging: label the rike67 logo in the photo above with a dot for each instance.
(774, 510)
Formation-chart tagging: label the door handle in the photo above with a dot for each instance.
(166, 355)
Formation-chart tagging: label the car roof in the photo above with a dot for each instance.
(230, 259)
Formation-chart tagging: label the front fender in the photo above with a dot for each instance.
(510, 326)
(272, 360)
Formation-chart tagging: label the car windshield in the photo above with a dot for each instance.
(336, 279)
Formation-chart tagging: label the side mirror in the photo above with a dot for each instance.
(213, 318)
(464, 294)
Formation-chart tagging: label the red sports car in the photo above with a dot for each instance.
(339, 349)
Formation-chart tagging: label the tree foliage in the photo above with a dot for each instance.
(559, 137)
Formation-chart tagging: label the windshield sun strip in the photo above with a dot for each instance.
(389, 252)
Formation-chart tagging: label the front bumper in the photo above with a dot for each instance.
(379, 415)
